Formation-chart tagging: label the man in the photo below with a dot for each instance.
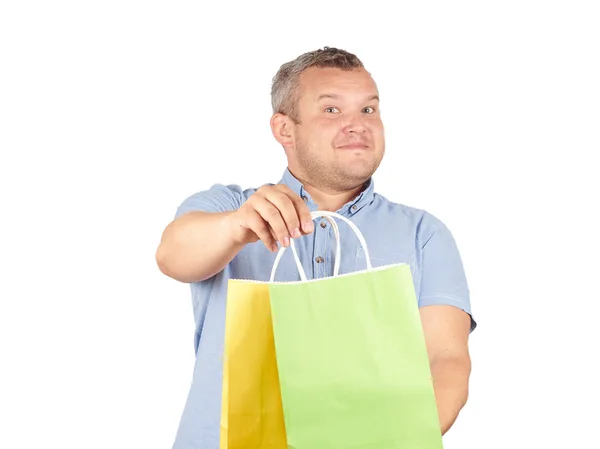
(326, 117)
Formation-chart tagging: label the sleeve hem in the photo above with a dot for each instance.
(451, 301)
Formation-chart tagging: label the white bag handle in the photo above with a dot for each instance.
(336, 265)
(329, 217)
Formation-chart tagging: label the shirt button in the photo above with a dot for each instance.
(319, 259)
(354, 207)
(305, 198)
(323, 224)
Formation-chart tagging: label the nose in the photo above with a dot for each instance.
(355, 125)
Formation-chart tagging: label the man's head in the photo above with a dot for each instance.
(326, 116)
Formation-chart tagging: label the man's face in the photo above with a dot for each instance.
(339, 140)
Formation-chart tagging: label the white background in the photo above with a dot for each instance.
(113, 112)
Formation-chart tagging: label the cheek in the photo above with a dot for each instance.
(376, 129)
(326, 124)
(326, 131)
(321, 134)
(375, 124)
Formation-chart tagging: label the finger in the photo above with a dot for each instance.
(262, 230)
(287, 209)
(269, 212)
(302, 209)
(273, 235)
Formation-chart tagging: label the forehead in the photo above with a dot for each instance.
(317, 81)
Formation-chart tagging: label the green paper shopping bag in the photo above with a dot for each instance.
(352, 361)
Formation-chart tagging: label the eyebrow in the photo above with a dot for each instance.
(337, 97)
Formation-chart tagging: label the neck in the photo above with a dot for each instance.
(330, 199)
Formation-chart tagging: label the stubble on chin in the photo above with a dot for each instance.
(336, 176)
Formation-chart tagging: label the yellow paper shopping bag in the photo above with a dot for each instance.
(251, 411)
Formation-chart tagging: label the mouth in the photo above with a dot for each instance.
(354, 146)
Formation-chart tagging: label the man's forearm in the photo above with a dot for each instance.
(451, 386)
(196, 246)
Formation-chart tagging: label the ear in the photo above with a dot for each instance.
(282, 128)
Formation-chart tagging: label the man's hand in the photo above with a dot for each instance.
(272, 214)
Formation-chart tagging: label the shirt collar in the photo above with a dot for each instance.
(350, 208)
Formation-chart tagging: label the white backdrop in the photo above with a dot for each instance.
(113, 112)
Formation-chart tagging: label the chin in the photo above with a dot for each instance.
(359, 173)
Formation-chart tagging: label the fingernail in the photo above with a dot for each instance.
(308, 226)
(286, 241)
(296, 233)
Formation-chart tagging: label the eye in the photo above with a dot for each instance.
(332, 109)
(369, 110)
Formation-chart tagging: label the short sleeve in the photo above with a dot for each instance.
(443, 279)
(218, 198)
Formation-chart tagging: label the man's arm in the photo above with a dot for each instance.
(445, 306)
(216, 226)
(446, 331)
(196, 246)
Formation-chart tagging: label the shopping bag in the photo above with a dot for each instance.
(251, 409)
(352, 360)
(251, 413)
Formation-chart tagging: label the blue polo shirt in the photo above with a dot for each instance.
(394, 233)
